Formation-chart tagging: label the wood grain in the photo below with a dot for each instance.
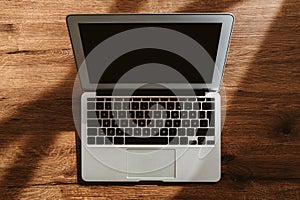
(260, 138)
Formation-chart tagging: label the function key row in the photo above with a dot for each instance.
(150, 106)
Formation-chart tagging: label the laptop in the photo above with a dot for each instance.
(150, 106)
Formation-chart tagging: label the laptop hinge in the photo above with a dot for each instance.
(152, 92)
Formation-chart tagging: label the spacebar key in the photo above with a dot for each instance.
(148, 140)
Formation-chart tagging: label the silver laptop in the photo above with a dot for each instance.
(150, 108)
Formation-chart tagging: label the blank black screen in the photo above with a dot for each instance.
(206, 34)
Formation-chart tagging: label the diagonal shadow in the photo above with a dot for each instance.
(41, 120)
(273, 76)
(208, 6)
(127, 6)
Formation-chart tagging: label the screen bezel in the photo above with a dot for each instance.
(226, 20)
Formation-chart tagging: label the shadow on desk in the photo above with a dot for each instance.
(271, 109)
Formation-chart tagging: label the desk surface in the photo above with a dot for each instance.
(260, 138)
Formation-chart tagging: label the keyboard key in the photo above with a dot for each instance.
(110, 132)
(92, 114)
(161, 106)
(210, 99)
(159, 123)
(164, 132)
(93, 123)
(115, 123)
(195, 123)
(201, 132)
(170, 106)
(173, 99)
(99, 106)
(108, 140)
(122, 114)
(178, 106)
(201, 114)
(157, 114)
(173, 140)
(174, 114)
(104, 114)
(92, 131)
(200, 99)
(148, 140)
(176, 123)
(210, 142)
(108, 105)
(172, 131)
(117, 106)
(128, 131)
(101, 132)
(211, 117)
(193, 142)
(99, 140)
(135, 106)
(126, 105)
(154, 131)
(207, 106)
(168, 123)
(124, 123)
(201, 140)
(142, 123)
(90, 106)
(118, 140)
(91, 99)
(190, 132)
(192, 114)
(146, 131)
(197, 106)
(132, 123)
(137, 132)
(188, 106)
(183, 114)
(106, 123)
(185, 123)
(119, 132)
(139, 114)
(181, 131)
(191, 99)
(112, 114)
(91, 140)
(150, 123)
(132, 114)
(183, 140)
(166, 114)
(144, 106)
(203, 123)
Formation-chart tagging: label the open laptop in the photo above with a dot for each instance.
(150, 108)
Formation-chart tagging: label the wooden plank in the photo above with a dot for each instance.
(260, 139)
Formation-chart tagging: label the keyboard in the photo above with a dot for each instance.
(150, 121)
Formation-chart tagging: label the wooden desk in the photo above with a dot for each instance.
(260, 139)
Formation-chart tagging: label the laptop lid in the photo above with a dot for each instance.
(175, 50)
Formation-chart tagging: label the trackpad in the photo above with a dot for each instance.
(147, 164)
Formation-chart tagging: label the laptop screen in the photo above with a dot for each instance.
(175, 49)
